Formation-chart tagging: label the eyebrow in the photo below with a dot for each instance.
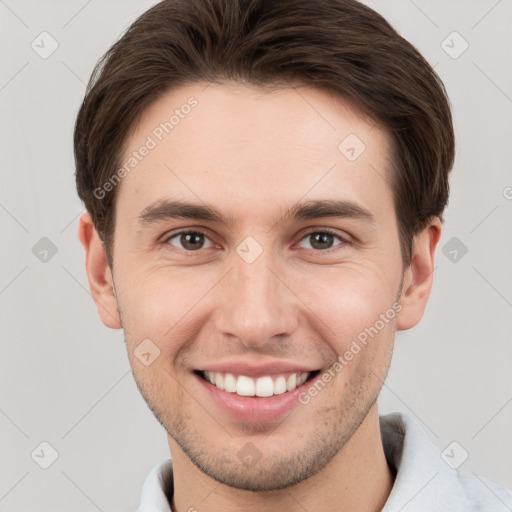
(314, 209)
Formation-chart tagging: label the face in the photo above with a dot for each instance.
(287, 252)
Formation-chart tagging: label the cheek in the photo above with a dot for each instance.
(171, 306)
(162, 307)
(353, 304)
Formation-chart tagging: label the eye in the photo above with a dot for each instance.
(322, 239)
(189, 240)
(195, 240)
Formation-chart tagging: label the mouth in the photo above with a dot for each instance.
(264, 386)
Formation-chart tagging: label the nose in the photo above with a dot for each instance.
(255, 304)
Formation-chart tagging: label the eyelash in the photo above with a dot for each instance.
(343, 241)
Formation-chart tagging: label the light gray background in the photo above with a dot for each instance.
(65, 378)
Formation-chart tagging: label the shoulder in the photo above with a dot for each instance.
(481, 494)
(425, 481)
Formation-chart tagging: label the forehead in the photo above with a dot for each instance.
(244, 148)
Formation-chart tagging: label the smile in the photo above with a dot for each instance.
(263, 386)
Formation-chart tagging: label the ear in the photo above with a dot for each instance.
(418, 278)
(98, 273)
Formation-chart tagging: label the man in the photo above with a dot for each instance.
(264, 184)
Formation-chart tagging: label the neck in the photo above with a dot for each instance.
(357, 479)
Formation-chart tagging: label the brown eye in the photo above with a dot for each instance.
(189, 240)
(322, 240)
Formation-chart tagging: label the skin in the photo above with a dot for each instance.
(253, 153)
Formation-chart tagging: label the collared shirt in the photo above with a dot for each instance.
(424, 482)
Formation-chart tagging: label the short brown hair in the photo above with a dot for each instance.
(339, 46)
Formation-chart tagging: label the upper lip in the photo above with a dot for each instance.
(244, 367)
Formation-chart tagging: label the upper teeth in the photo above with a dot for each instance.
(262, 386)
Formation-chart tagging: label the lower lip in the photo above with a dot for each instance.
(254, 409)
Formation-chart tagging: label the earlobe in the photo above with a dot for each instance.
(99, 274)
(418, 278)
